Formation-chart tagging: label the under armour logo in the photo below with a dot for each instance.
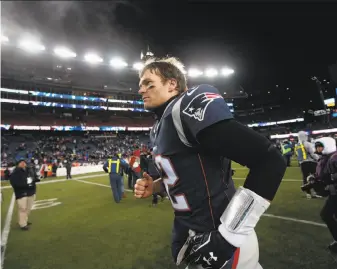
(210, 258)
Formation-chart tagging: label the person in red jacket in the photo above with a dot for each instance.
(135, 167)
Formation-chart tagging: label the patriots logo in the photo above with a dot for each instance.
(198, 105)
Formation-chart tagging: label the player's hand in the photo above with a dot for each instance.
(208, 249)
(144, 186)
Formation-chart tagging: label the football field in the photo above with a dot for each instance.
(76, 225)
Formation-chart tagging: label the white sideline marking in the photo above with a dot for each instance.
(296, 220)
(246, 168)
(59, 180)
(6, 230)
(93, 183)
(98, 184)
(265, 215)
(40, 204)
(287, 180)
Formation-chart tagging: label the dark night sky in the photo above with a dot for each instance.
(266, 44)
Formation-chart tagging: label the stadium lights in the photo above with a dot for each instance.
(138, 66)
(31, 46)
(64, 52)
(211, 72)
(118, 63)
(193, 72)
(227, 71)
(4, 39)
(93, 58)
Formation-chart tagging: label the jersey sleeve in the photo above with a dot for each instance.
(203, 106)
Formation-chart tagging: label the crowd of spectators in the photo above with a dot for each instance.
(84, 147)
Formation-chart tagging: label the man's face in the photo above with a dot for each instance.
(22, 165)
(319, 149)
(153, 91)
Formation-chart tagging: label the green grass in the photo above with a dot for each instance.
(89, 231)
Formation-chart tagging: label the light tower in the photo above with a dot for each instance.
(147, 55)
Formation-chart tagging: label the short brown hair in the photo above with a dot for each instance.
(167, 68)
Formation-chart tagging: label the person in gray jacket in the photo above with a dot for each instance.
(68, 164)
(307, 159)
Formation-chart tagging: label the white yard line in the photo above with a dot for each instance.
(98, 184)
(295, 220)
(6, 230)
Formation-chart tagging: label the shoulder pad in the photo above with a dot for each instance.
(202, 88)
(197, 99)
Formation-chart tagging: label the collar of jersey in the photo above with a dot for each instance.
(159, 111)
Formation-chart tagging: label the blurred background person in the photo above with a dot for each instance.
(287, 151)
(36, 169)
(68, 164)
(326, 180)
(45, 168)
(123, 171)
(307, 160)
(113, 166)
(135, 167)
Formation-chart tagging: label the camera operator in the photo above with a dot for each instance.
(23, 181)
(325, 183)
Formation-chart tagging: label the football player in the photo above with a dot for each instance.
(194, 140)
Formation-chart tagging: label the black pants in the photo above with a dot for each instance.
(288, 159)
(307, 168)
(130, 180)
(329, 215)
(155, 197)
(135, 176)
(68, 173)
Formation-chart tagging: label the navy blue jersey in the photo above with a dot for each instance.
(199, 185)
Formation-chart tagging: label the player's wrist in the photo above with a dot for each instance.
(158, 186)
(241, 216)
(211, 246)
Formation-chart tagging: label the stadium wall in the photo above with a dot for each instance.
(61, 172)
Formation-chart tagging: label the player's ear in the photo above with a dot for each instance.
(173, 84)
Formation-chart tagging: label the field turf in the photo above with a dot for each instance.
(87, 230)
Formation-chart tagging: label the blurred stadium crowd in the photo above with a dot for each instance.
(54, 149)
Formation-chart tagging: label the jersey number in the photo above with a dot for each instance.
(179, 203)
